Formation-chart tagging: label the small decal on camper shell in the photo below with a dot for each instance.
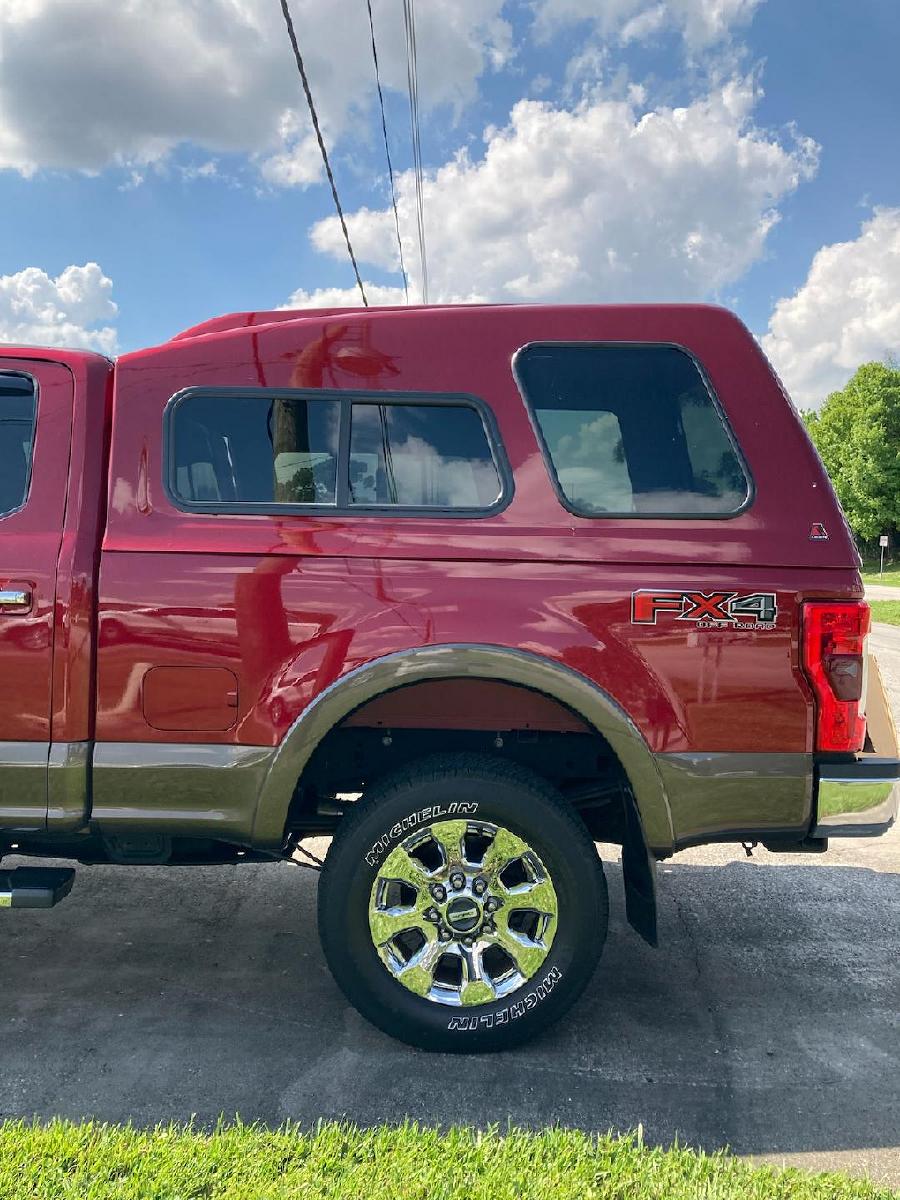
(706, 610)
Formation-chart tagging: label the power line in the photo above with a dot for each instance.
(387, 151)
(412, 81)
(315, 120)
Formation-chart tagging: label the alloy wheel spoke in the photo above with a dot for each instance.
(505, 848)
(540, 896)
(418, 973)
(401, 865)
(476, 985)
(449, 836)
(387, 923)
(527, 955)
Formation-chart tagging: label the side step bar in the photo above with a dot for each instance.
(35, 887)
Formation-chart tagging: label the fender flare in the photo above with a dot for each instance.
(455, 661)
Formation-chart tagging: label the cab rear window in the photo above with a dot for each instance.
(17, 408)
(632, 430)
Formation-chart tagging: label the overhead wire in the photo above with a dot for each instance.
(387, 152)
(412, 81)
(315, 121)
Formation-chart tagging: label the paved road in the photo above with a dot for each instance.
(885, 644)
(882, 591)
(768, 1020)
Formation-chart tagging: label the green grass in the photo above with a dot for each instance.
(63, 1161)
(890, 578)
(886, 610)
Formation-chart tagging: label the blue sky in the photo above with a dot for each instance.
(741, 151)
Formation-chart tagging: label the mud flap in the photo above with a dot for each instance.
(639, 876)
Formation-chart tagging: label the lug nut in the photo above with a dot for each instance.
(438, 893)
(468, 941)
(457, 880)
(480, 886)
(492, 904)
(489, 926)
(432, 914)
(443, 935)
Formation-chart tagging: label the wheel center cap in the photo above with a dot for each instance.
(463, 914)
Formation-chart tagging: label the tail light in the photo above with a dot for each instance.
(834, 658)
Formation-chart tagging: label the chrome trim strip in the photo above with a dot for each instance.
(464, 661)
(183, 789)
(23, 785)
(860, 799)
(68, 786)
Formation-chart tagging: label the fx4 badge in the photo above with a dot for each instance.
(708, 610)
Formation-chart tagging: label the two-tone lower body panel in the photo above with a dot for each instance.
(182, 790)
(204, 790)
(731, 797)
(195, 790)
(737, 797)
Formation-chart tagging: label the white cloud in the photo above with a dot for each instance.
(846, 313)
(645, 24)
(702, 23)
(205, 170)
(602, 202)
(74, 309)
(85, 84)
(377, 294)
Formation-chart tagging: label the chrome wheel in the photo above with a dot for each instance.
(463, 912)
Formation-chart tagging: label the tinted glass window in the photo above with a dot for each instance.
(632, 430)
(423, 456)
(255, 449)
(17, 403)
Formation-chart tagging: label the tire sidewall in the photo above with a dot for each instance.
(345, 893)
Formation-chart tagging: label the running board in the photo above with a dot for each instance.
(35, 887)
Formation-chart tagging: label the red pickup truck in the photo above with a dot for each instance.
(465, 589)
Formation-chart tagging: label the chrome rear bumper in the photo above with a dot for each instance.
(857, 799)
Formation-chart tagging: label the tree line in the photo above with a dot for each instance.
(857, 434)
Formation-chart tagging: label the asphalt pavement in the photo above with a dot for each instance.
(882, 591)
(767, 1020)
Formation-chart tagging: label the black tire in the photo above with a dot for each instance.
(484, 789)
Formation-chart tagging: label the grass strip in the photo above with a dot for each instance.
(890, 578)
(64, 1161)
(886, 611)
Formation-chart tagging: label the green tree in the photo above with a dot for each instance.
(857, 433)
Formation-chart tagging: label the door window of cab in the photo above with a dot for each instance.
(17, 411)
(632, 430)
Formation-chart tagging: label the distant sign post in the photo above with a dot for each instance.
(882, 542)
